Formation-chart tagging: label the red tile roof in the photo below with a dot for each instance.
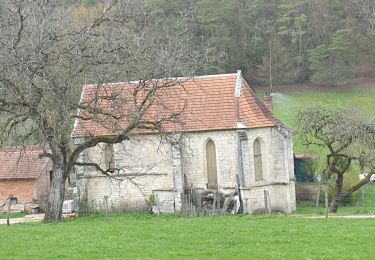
(206, 103)
(22, 163)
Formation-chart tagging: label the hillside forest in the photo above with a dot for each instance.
(328, 42)
(324, 41)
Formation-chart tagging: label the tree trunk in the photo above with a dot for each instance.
(56, 195)
(338, 196)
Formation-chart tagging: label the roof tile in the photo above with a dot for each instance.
(22, 163)
(205, 103)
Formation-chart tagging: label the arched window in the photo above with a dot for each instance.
(109, 157)
(211, 165)
(257, 160)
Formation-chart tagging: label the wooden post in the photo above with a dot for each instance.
(157, 205)
(317, 200)
(182, 203)
(214, 204)
(267, 201)
(8, 212)
(199, 203)
(106, 207)
(185, 205)
(190, 204)
(363, 198)
(218, 199)
(326, 199)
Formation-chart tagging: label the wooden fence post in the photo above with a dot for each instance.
(267, 201)
(326, 199)
(8, 211)
(106, 207)
(218, 200)
(157, 205)
(317, 200)
(214, 204)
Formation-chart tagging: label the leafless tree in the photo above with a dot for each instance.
(49, 50)
(346, 138)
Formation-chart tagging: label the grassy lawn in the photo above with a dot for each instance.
(3, 215)
(143, 236)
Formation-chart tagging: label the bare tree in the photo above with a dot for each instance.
(346, 138)
(49, 51)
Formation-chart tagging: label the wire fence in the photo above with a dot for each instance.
(310, 197)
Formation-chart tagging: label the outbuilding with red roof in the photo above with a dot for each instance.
(24, 176)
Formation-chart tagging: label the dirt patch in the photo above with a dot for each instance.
(345, 216)
(25, 219)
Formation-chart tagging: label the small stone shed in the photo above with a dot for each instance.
(24, 176)
(227, 139)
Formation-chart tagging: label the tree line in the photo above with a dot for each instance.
(283, 41)
(327, 42)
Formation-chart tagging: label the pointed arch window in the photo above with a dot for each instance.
(109, 157)
(211, 165)
(258, 169)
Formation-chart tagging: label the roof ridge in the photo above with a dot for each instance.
(171, 78)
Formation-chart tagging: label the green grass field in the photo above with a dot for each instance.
(144, 236)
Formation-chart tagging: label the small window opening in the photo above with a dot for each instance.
(109, 158)
(257, 160)
(13, 201)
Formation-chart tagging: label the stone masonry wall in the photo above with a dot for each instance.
(146, 168)
(154, 167)
(194, 158)
(278, 170)
(277, 165)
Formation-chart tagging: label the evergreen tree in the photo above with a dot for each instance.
(331, 63)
